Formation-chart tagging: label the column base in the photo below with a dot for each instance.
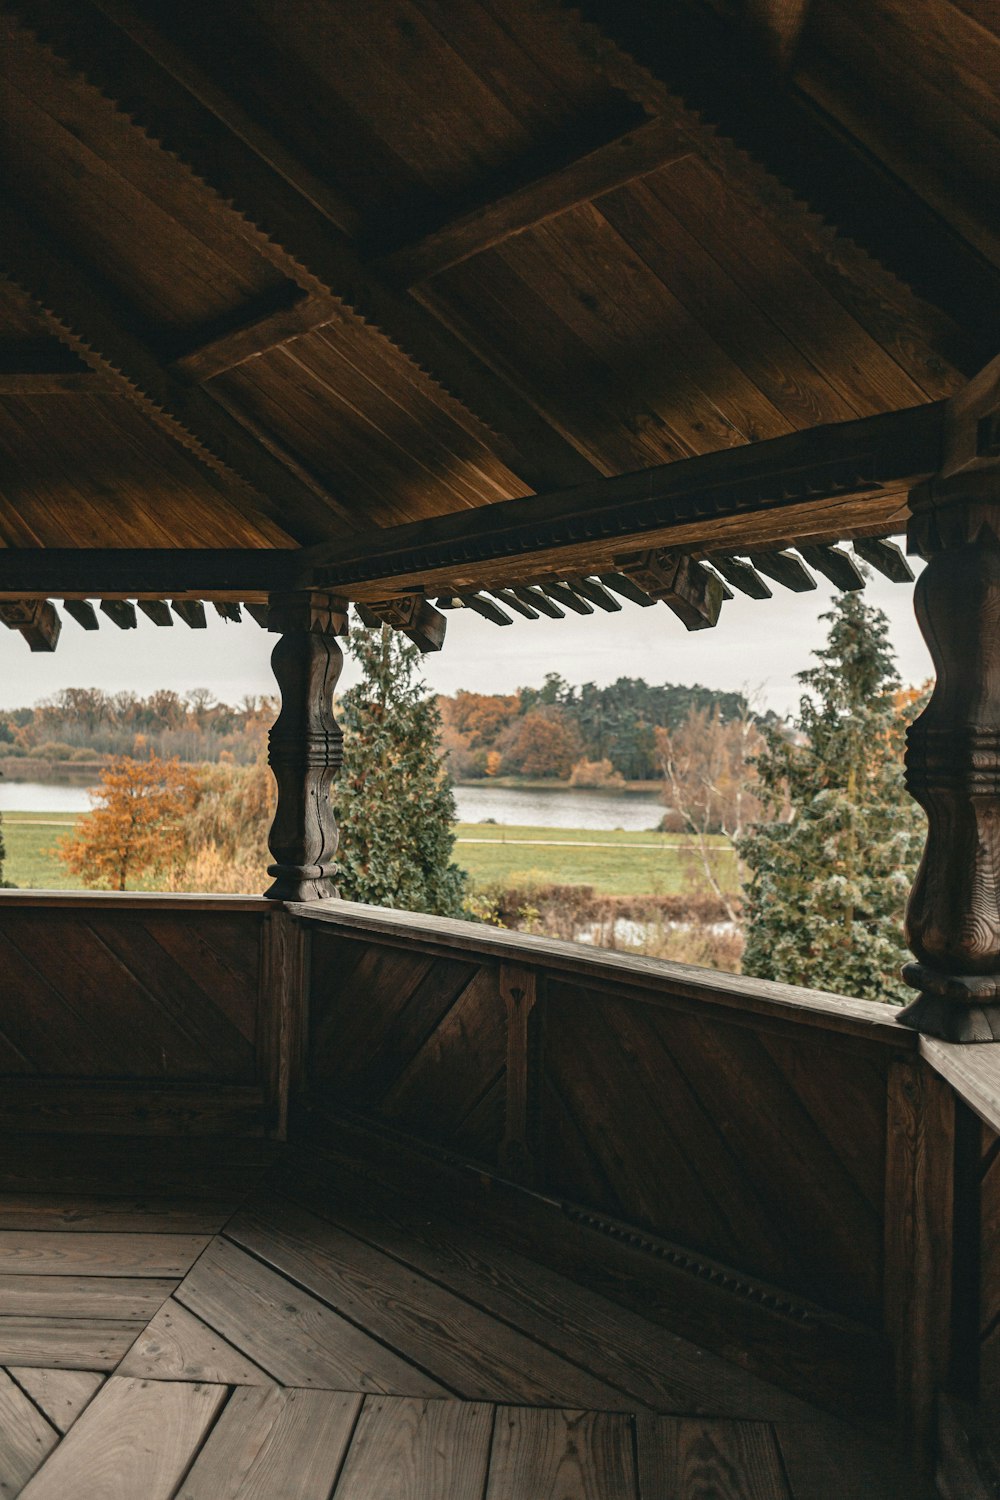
(298, 885)
(955, 1007)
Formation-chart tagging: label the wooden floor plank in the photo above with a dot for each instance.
(61, 1394)
(26, 1211)
(26, 1438)
(53, 1253)
(178, 1346)
(290, 1334)
(470, 1352)
(134, 1442)
(656, 1368)
(128, 1298)
(563, 1455)
(831, 1460)
(66, 1343)
(682, 1457)
(274, 1445)
(418, 1450)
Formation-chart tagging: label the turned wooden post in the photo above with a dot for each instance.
(305, 745)
(953, 749)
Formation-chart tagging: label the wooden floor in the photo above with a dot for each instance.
(283, 1341)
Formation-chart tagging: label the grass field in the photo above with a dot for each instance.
(614, 863)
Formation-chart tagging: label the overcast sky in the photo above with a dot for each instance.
(757, 646)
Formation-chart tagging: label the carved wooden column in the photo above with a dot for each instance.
(305, 745)
(953, 751)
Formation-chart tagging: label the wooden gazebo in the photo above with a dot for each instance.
(411, 306)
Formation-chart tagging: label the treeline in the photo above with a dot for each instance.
(80, 724)
(590, 735)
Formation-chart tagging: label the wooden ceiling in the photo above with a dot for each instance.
(280, 273)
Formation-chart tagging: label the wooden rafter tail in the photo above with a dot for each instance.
(785, 568)
(510, 599)
(627, 588)
(82, 612)
(228, 611)
(741, 575)
(157, 610)
(37, 620)
(258, 613)
(886, 557)
(191, 611)
(566, 596)
(534, 597)
(594, 593)
(692, 592)
(838, 566)
(120, 612)
(486, 608)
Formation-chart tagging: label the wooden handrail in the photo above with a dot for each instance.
(137, 901)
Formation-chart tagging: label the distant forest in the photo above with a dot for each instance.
(588, 734)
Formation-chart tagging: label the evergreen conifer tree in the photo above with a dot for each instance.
(394, 799)
(829, 881)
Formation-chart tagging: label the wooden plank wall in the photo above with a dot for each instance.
(989, 1285)
(141, 1018)
(753, 1142)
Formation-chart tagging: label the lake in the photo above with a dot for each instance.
(633, 811)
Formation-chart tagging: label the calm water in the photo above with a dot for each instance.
(575, 809)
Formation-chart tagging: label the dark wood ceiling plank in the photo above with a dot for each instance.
(931, 345)
(647, 148)
(81, 314)
(192, 119)
(258, 336)
(64, 383)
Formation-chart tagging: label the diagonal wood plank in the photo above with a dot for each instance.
(469, 1351)
(135, 1439)
(827, 1459)
(65, 1343)
(61, 1394)
(692, 1456)
(418, 1450)
(274, 1445)
(290, 1334)
(143, 1215)
(51, 1253)
(654, 1367)
(562, 1455)
(26, 1438)
(178, 1346)
(128, 1298)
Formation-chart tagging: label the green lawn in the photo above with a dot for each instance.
(614, 863)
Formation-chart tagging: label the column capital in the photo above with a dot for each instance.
(314, 610)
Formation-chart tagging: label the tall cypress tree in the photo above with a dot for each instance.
(831, 870)
(394, 799)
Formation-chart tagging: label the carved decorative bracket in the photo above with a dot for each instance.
(305, 747)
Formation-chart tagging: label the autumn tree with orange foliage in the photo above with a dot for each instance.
(138, 826)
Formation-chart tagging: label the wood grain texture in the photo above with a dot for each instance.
(681, 1456)
(65, 1343)
(417, 1450)
(60, 1394)
(52, 1253)
(175, 1345)
(561, 1455)
(825, 1459)
(293, 1336)
(127, 1298)
(464, 1349)
(54, 1211)
(135, 1438)
(274, 1445)
(26, 1438)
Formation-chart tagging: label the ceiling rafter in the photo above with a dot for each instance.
(794, 166)
(80, 314)
(166, 95)
(648, 147)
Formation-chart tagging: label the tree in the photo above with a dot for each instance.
(395, 804)
(545, 742)
(137, 827)
(829, 881)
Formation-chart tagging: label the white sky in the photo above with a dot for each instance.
(757, 645)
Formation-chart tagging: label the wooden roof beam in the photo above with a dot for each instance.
(57, 383)
(166, 94)
(82, 316)
(256, 336)
(654, 144)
